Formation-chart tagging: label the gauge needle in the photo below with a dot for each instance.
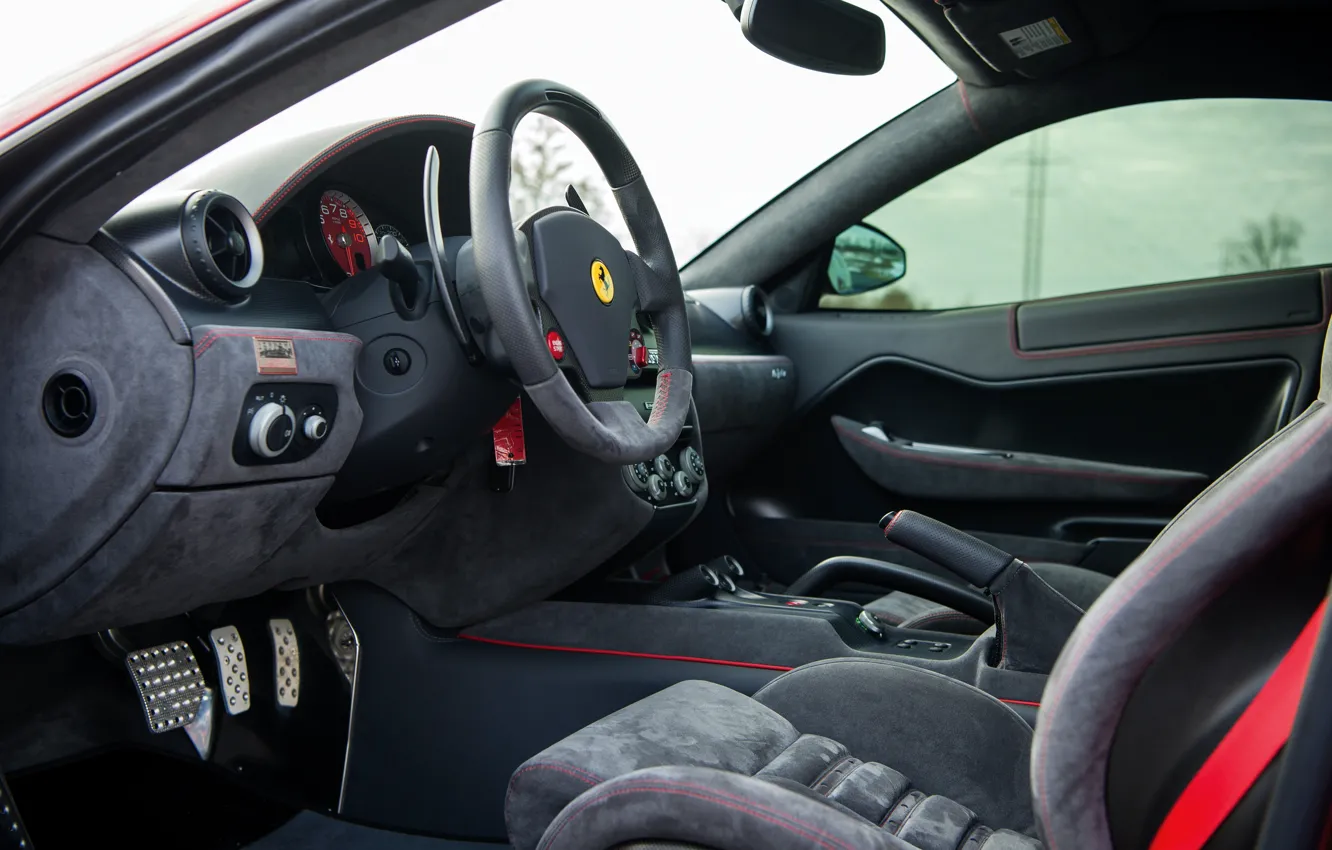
(350, 265)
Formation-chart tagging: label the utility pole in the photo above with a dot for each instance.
(1038, 163)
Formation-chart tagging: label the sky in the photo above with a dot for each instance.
(717, 127)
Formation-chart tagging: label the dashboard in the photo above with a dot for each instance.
(241, 399)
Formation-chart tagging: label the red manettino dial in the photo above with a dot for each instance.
(346, 232)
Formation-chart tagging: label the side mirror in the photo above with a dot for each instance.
(831, 36)
(864, 258)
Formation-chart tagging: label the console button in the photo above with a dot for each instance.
(272, 429)
(691, 463)
(870, 623)
(555, 343)
(684, 488)
(637, 476)
(397, 361)
(315, 427)
(656, 488)
(662, 466)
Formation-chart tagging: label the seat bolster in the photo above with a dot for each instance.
(947, 736)
(692, 723)
(710, 807)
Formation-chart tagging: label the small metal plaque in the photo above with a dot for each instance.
(274, 356)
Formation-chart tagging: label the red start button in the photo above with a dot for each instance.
(555, 343)
(640, 356)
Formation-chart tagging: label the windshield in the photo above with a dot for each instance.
(717, 127)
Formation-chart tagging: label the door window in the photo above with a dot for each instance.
(1158, 192)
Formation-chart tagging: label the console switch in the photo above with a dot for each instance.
(284, 422)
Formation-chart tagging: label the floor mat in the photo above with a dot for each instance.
(310, 831)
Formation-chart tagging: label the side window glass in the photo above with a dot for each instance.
(1154, 193)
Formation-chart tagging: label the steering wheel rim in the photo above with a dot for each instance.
(560, 242)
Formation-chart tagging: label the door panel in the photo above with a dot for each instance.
(1252, 303)
(1177, 410)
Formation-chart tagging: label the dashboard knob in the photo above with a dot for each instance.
(637, 477)
(315, 428)
(684, 488)
(272, 429)
(691, 463)
(656, 488)
(662, 466)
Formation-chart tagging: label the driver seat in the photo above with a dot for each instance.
(871, 753)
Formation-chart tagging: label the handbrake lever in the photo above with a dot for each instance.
(1032, 619)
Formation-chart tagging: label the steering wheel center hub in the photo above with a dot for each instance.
(577, 262)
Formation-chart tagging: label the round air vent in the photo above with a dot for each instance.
(756, 311)
(222, 244)
(69, 404)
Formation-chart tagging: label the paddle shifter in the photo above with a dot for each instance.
(1032, 619)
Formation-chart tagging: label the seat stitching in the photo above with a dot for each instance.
(883, 824)
(911, 814)
(707, 795)
(947, 681)
(559, 767)
(822, 776)
(845, 776)
(1117, 605)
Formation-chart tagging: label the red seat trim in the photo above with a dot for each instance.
(1244, 753)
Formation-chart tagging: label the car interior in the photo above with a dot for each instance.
(345, 508)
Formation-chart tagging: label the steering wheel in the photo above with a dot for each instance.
(586, 286)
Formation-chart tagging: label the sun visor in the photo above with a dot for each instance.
(1034, 38)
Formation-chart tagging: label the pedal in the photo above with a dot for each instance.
(286, 662)
(169, 683)
(233, 673)
(13, 834)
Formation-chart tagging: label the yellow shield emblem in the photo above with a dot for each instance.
(602, 282)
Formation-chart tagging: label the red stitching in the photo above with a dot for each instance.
(207, 342)
(559, 767)
(307, 170)
(663, 396)
(708, 796)
(1084, 643)
(998, 466)
(562, 767)
(892, 522)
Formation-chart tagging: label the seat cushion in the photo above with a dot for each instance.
(1080, 586)
(973, 743)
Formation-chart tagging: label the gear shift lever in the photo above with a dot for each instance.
(1032, 619)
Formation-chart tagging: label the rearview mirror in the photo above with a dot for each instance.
(864, 258)
(823, 35)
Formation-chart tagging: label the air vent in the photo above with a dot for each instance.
(68, 403)
(756, 311)
(227, 244)
(222, 245)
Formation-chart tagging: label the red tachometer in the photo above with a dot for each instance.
(346, 232)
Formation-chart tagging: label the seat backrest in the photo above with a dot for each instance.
(1175, 649)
